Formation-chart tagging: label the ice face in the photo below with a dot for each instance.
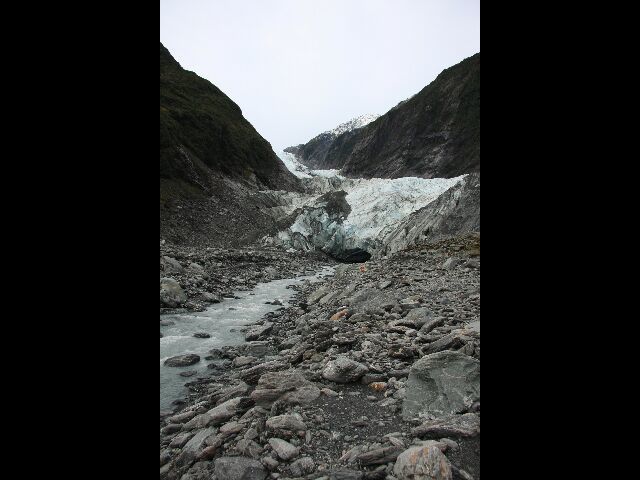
(378, 205)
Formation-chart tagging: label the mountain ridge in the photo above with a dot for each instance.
(434, 133)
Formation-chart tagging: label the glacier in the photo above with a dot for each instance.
(337, 214)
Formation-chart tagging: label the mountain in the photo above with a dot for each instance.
(434, 134)
(315, 151)
(203, 132)
(212, 163)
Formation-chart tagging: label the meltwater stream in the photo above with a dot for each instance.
(223, 322)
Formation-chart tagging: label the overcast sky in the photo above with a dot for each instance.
(299, 67)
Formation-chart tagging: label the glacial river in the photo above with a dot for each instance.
(223, 321)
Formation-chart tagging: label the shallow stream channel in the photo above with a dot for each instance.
(223, 322)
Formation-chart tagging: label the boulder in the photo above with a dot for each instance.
(194, 445)
(370, 300)
(287, 386)
(422, 463)
(418, 316)
(182, 360)
(344, 370)
(379, 456)
(442, 383)
(452, 341)
(170, 265)
(467, 425)
(283, 449)
(257, 331)
(253, 374)
(302, 466)
(223, 412)
(430, 323)
(171, 293)
(238, 468)
(285, 424)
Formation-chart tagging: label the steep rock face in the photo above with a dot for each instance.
(435, 133)
(323, 151)
(212, 164)
(455, 212)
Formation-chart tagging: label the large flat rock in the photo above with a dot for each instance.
(440, 384)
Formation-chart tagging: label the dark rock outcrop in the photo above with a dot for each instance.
(435, 133)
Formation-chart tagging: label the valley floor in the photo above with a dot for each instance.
(371, 374)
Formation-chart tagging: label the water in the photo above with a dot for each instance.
(223, 322)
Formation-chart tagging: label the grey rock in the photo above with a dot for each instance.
(258, 348)
(291, 341)
(171, 265)
(238, 468)
(451, 263)
(231, 428)
(285, 423)
(182, 360)
(431, 323)
(472, 263)
(171, 428)
(171, 293)
(223, 412)
(379, 456)
(211, 297)
(440, 384)
(302, 466)
(418, 316)
(283, 449)
(257, 331)
(466, 425)
(317, 295)
(231, 392)
(253, 374)
(242, 361)
(249, 448)
(454, 340)
(288, 386)
(182, 417)
(344, 370)
(359, 317)
(180, 440)
(342, 474)
(194, 445)
(370, 300)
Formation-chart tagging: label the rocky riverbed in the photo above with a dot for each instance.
(371, 374)
(193, 277)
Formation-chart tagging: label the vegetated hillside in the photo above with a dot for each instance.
(435, 133)
(202, 131)
(212, 162)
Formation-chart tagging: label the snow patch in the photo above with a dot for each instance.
(352, 124)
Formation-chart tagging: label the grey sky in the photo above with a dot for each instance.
(299, 67)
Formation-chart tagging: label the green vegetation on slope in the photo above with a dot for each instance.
(203, 133)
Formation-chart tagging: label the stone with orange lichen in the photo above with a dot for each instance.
(378, 386)
(339, 315)
(423, 463)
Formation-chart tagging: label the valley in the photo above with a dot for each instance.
(320, 306)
